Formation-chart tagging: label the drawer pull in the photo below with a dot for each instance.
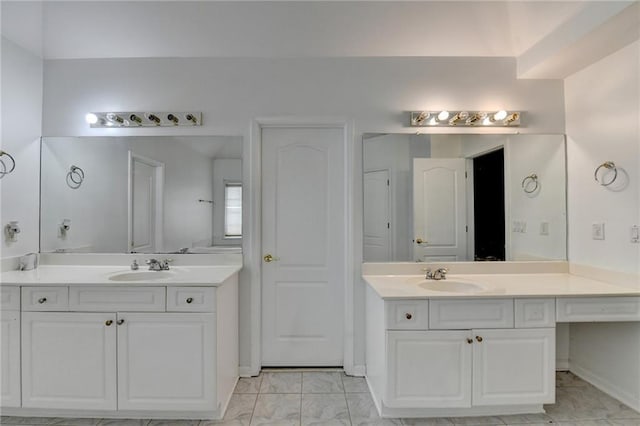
(42, 300)
(108, 323)
(408, 316)
(189, 299)
(479, 338)
(120, 321)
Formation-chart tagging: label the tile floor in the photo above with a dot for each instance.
(331, 398)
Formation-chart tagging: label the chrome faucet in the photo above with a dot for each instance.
(155, 265)
(438, 274)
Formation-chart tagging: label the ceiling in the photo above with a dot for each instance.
(115, 29)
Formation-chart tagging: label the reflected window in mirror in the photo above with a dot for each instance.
(233, 210)
(458, 197)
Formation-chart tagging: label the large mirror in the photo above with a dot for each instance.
(456, 197)
(164, 194)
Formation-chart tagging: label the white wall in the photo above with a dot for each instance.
(603, 119)
(373, 93)
(21, 129)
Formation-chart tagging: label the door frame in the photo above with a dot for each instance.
(252, 234)
(159, 200)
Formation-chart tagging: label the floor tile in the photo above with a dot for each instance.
(240, 409)
(525, 419)
(566, 378)
(477, 421)
(275, 409)
(361, 406)
(14, 420)
(158, 422)
(436, 421)
(376, 422)
(281, 383)
(75, 422)
(619, 422)
(123, 422)
(248, 384)
(587, 403)
(325, 409)
(314, 382)
(354, 384)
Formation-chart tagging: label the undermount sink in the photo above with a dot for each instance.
(452, 286)
(142, 276)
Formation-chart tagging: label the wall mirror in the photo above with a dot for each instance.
(453, 197)
(165, 194)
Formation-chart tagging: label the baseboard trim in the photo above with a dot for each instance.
(562, 365)
(359, 371)
(605, 386)
(247, 372)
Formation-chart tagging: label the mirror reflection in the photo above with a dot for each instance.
(141, 194)
(445, 197)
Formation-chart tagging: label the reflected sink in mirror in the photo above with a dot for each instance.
(452, 286)
(142, 276)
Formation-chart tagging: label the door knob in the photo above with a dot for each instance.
(420, 241)
(269, 258)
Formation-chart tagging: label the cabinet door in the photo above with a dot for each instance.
(69, 360)
(10, 359)
(166, 361)
(515, 366)
(428, 369)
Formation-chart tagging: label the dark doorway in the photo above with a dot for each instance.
(488, 206)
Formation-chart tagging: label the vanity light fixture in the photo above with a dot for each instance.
(132, 119)
(465, 118)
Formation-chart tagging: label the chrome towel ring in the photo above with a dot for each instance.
(530, 183)
(4, 170)
(609, 165)
(76, 176)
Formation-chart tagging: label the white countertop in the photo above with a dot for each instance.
(89, 275)
(498, 285)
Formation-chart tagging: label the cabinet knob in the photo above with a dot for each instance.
(469, 340)
(189, 299)
(479, 338)
(42, 300)
(120, 321)
(108, 323)
(408, 316)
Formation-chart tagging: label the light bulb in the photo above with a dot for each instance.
(91, 118)
(443, 115)
(500, 115)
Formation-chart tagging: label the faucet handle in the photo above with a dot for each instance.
(151, 261)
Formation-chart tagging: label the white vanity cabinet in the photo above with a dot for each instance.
(10, 347)
(448, 367)
(132, 351)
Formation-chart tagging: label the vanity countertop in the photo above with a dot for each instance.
(103, 275)
(497, 285)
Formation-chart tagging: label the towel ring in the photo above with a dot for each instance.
(4, 166)
(526, 183)
(607, 165)
(76, 174)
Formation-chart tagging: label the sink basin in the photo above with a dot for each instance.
(452, 286)
(142, 276)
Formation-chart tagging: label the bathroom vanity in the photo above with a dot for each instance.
(105, 341)
(474, 345)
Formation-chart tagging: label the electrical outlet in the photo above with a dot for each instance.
(635, 234)
(597, 231)
(544, 228)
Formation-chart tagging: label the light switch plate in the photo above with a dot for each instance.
(597, 231)
(635, 234)
(544, 228)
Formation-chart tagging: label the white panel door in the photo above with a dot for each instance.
(10, 358)
(166, 361)
(304, 230)
(143, 190)
(439, 209)
(377, 221)
(69, 360)
(514, 366)
(429, 369)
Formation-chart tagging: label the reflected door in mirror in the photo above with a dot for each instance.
(377, 241)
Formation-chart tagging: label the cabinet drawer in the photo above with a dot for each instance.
(453, 314)
(10, 298)
(45, 298)
(535, 313)
(191, 299)
(587, 309)
(110, 299)
(407, 315)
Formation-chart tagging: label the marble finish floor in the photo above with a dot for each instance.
(331, 398)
